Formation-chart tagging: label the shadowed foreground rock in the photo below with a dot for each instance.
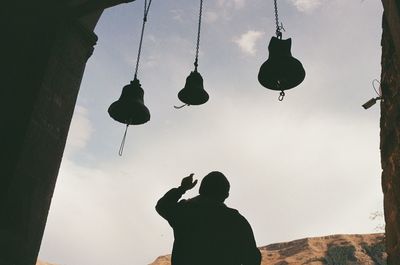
(330, 250)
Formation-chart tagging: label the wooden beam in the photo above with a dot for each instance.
(392, 17)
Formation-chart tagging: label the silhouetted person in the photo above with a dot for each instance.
(206, 231)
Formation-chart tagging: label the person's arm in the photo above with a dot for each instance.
(167, 206)
(251, 255)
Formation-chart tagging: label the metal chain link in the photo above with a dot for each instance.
(281, 95)
(196, 61)
(146, 11)
(278, 31)
(276, 16)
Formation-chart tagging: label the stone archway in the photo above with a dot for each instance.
(46, 48)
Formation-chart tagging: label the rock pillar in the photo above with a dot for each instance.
(390, 127)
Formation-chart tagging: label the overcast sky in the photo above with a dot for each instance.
(306, 166)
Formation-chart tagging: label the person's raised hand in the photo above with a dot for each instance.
(188, 183)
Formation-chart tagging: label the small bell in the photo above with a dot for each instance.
(193, 93)
(129, 108)
(281, 71)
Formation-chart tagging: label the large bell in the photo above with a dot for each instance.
(193, 93)
(281, 71)
(130, 108)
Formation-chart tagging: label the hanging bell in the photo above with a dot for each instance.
(193, 93)
(129, 108)
(281, 71)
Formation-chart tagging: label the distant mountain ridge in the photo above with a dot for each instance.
(368, 249)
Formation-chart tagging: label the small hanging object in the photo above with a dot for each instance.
(378, 91)
(193, 93)
(129, 109)
(281, 71)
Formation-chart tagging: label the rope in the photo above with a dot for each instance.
(196, 61)
(146, 12)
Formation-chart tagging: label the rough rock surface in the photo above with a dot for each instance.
(328, 250)
(390, 137)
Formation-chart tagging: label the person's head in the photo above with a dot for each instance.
(215, 186)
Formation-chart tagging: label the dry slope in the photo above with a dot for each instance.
(329, 250)
(39, 262)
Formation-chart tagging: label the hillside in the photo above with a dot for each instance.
(329, 250)
(39, 262)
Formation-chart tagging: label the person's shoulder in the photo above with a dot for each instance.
(238, 216)
(234, 212)
(187, 202)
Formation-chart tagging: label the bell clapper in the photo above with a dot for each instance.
(179, 107)
(121, 148)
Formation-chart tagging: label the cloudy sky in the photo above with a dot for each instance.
(307, 166)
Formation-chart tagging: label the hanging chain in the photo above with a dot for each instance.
(278, 33)
(146, 11)
(276, 17)
(279, 28)
(196, 61)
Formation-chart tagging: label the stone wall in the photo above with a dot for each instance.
(45, 46)
(390, 137)
(46, 54)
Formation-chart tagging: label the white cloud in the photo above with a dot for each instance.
(306, 5)
(80, 131)
(177, 14)
(210, 16)
(237, 4)
(248, 40)
(271, 165)
(226, 8)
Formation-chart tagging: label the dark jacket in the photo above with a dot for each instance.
(207, 232)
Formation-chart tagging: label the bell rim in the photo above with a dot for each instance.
(114, 116)
(182, 97)
(270, 86)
